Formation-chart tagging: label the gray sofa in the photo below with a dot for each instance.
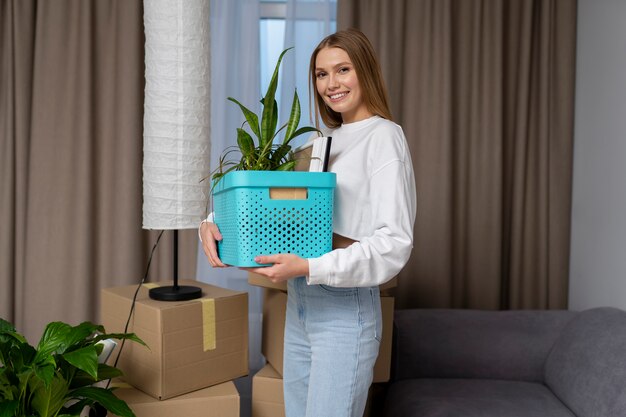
(468, 363)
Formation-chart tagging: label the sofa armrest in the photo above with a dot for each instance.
(510, 345)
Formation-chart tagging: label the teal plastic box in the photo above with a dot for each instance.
(253, 221)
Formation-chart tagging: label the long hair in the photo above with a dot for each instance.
(369, 74)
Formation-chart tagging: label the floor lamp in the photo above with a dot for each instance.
(176, 123)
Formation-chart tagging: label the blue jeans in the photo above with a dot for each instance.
(332, 337)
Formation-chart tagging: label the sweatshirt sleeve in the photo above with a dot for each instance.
(375, 259)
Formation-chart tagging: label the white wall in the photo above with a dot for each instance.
(598, 247)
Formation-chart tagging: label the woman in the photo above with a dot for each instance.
(333, 325)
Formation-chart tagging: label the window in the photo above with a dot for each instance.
(314, 19)
(272, 38)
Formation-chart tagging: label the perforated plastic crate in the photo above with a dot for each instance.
(253, 223)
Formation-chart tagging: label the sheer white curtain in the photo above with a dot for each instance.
(235, 71)
(234, 31)
(307, 23)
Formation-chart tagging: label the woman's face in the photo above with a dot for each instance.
(338, 85)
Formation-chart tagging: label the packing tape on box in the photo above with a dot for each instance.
(208, 319)
(120, 385)
(208, 323)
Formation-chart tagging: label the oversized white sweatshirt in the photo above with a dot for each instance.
(375, 204)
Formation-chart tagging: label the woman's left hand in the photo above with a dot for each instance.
(285, 266)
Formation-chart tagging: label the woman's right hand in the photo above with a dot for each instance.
(209, 235)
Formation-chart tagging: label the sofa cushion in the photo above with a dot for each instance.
(587, 366)
(508, 345)
(471, 398)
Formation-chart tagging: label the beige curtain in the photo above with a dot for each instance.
(484, 90)
(71, 82)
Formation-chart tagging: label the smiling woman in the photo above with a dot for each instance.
(345, 73)
(338, 85)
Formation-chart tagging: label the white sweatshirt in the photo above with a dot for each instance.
(375, 204)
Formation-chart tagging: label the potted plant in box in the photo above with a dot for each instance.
(250, 223)
(56, 377)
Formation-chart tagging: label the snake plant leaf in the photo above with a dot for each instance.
(268, 125)
(304, 130)
(294, 118)
(251, 117)
(106, 399)
(280, 152)
(287, 166)
(269, 117)
(245, 142)
(278, 131)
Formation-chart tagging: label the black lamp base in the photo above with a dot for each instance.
(175, 293)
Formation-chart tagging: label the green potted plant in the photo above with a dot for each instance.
(264, 154)
(56, 378)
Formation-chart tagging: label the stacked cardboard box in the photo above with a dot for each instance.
(267, 383)
(267, 393)
(220, 400)
(195, 349)
(268, 399)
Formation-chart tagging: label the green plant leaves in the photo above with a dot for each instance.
(105, 398)
(47, 400)
(264, 155)
(45, 372)
(82, 332)
(119, 336)
(246, 145)
(304, 130)
(270, 108)
(5, 326)
(287, 166)
(251, 118)
(41, 381)
(82, 379)
(85, 359)
(55, 337)
(294, 118)
(8, 408)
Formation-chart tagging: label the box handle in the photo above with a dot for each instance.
(288, 194)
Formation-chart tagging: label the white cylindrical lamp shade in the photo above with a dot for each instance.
(176, 113)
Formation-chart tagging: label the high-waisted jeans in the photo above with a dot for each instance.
(332, 337)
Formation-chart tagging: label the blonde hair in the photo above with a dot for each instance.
(369, 74)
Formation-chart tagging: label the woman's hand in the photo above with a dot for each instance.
(209, 235)
(285, 266)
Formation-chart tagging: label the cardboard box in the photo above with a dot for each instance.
(267, 393)
(217, 401)
(274, 313)
(272, 339)
(192, 344)
(268, 399)
(261, 281)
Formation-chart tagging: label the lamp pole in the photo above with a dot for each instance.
(175, 292)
